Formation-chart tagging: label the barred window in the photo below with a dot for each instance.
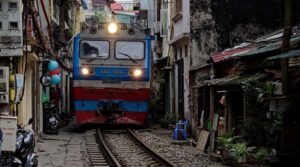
(12, 5)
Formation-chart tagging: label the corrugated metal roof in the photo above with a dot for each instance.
(268, 48)
(251, 49)
(290, 54)
(265, 49)
(116, 7)
(231, 81)
(235, 51)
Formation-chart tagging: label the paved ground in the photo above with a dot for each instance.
(64, 149)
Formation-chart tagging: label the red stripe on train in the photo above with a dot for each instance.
(80, 93)
(137, 118)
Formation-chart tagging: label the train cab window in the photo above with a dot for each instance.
(130, 50)
(94, 49)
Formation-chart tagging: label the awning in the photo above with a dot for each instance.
(290, 54)
(231, 81)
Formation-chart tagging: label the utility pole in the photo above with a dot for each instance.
(286, 43)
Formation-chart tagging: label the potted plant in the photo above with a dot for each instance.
(240, 151)
(224, 143)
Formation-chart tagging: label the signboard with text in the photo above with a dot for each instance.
(8, 125)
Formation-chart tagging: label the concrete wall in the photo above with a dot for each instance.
(203, 32)
(186, 85)
(183, 25)
(25, 107)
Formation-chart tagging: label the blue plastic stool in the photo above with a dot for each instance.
(181, 128)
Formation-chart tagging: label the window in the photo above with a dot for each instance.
(94, 49)
(0, 6)
(0, 25)
(129, 50)
(12, 5)
(13, 25)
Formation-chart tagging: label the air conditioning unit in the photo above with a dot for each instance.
(157, 27)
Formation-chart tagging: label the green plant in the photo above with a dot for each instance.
(261, 89)
(265, 89)
(260, 154)
(240, 149)
(263, 153)
(225, 141)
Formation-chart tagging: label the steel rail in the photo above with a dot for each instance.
(166, 161)
(107, 150)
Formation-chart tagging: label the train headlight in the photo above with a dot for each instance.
(87, 71)
(112, 28)
(137, 72)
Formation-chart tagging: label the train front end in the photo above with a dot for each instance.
(111, 75)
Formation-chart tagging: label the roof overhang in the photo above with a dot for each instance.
(184, 37)
(231, 81)
(290, 54)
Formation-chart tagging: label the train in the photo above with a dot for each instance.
(111, 74)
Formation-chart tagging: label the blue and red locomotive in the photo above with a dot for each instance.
(111, 74)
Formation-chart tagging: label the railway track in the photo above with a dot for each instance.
(98, 154)
(121, 148)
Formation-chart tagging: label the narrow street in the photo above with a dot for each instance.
(68, 148)
(149, 83)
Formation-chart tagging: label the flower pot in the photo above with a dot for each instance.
(226, 154)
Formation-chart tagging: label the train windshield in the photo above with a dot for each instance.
(94, 49)
(129, 50)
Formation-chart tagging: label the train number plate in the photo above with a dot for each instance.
(111, 80)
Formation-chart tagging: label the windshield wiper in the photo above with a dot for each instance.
(127, 55)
